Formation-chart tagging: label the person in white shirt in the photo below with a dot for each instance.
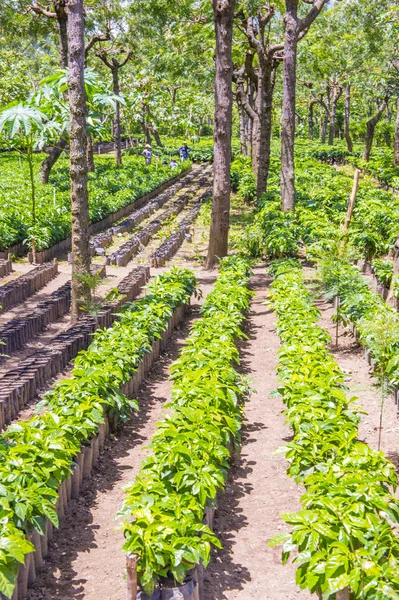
(147, 153)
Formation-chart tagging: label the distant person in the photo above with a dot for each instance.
(147, 153)
(173, 164)
(165, 162)
(183, 151)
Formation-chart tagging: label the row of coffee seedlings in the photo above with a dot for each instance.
(182, 231)
(344, 540)
(106, 238)
(40, 454)
(142, 238)
(164, 508)
(376, 324)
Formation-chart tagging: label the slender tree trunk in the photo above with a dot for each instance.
(53, 155)
(55, 151)
(324, 127)
(117, 117)
(250, 120)
(268, 116)
(371, 125)
(387, 134)
(311, 119)
(91, 167)
(78, 158)
(331, 131)
(154, 131)
(243, 133)
(396, 142)
(219, 230)
(288, 108)
(347, 134)
(62, 19)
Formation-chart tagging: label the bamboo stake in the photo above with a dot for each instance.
(131, 564)
(352, 199)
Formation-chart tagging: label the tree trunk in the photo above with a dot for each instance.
(371, 125)
(91, 167)
(347, 134)
(250, 120)
(62, 19)
(324, 127)
(311, 119)
(243, 133)
(396, 142)
(219, 230)
(55, 151)
(154, 131)
(78, 159)
(268, 118)
(331, 130)
(53, 155)
(288, 108)
(117, 117)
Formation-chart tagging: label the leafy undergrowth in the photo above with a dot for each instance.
(322, 194)
(376, 322)
(344, 536)
(37, 455)
(109, 190)
(164, 507)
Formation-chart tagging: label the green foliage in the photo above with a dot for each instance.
(242, 178)
(365, 309)
(383, 270)
(37, 454)
(164, 507)
(109, 190)
(342, 537)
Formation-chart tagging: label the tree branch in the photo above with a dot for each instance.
(41, 10)
(306, 22)
(95, 39)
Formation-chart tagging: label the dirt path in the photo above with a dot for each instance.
(258, 489)
(85, 560)
(351, 358)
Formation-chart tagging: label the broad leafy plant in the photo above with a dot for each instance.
(164, 507)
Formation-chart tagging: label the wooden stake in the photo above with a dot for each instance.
(352, 199)
(131, 564)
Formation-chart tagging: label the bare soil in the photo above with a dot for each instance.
(85, 559)
(361, 384)
(258, 489)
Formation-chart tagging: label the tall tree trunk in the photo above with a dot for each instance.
(311, 104)
(371, 125)
(55, 151)
(53, 155)
(268, 117)
(347, 134)
(219, 231)
(62, 19)
(387, 134)
(331, 130)
(78, 160)
(250, 120)
(155, 133)
(396, 141)
(324, 126)
(91, 167)
(243, 132)
(288, 108)
(117, 118)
